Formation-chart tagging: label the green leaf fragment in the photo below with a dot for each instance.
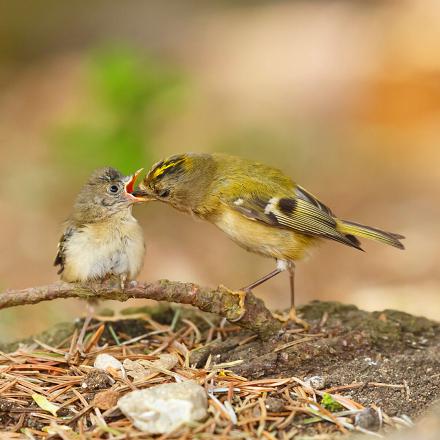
(45, 404)
(328, 402)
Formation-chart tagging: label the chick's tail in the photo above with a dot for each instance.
(353, 230)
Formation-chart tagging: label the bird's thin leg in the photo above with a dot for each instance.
(291, 269)
(291, 316)
(292, 313)
(262, 280)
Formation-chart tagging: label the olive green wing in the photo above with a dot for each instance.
(301, 212)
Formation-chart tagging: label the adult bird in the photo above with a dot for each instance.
(256, 205)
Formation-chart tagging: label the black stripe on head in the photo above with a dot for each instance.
(173, 165)
(158, 165)
(107, 174)
(176, 168)
(110, 174)
(287, 205)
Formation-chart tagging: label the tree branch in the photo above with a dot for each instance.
(221, 301)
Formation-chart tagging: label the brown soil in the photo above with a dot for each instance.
(388, 359)
(388, 347)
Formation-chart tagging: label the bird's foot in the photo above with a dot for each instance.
(241, 303)
(293, 317)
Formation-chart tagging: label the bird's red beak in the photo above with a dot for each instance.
(129, 187)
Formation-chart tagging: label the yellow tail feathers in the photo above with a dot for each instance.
(353, 230)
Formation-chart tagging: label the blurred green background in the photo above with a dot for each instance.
(343, 96)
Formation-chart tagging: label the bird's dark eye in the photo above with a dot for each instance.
(164, 193)
(113, 189)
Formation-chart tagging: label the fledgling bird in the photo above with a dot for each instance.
(256, 205)
(102, 240)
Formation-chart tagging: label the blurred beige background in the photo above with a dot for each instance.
(344, 96)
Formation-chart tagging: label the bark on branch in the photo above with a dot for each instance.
(221, 301)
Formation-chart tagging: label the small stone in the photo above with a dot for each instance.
(370, 362)
(105, 361)
(134, 369)
(109, 364)
(274, 404)
(167, 361)
(6, 405)
(315, 382)
(96, 380)
(34, 424)
(368, 419)
(284, 356)
(138, 370)
(163, 408)
(105, 399)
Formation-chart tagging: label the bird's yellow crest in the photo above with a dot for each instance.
(161, 168)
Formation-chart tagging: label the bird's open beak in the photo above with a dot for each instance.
(129, 187)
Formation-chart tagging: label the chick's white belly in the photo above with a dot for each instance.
(95, 254)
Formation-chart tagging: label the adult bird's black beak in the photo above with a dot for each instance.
(142, 196)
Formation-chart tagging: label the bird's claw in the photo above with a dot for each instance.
(241, 304)
(292, 316)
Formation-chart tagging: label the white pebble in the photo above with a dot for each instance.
(315, 382)
(105, 362)
(163, 408)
